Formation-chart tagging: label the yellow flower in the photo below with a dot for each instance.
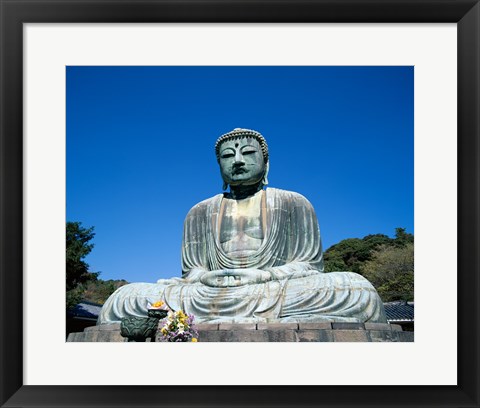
(158, 304)
(194, 340)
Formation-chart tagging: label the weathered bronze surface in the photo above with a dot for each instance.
(157, 313)
(252, 255)
(139, 328)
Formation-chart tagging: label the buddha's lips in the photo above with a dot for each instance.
(239, 170)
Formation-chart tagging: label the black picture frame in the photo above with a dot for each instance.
(465, 13)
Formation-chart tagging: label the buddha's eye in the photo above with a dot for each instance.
(246, 152)
(227, 153)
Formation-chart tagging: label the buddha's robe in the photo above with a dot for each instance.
(298, 290)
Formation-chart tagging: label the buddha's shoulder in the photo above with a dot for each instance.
(292, 197)
(202, 206)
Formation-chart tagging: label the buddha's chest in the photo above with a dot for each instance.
(241, 230)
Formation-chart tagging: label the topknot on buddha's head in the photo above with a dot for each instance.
(239, 133)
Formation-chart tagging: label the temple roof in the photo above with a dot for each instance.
(399, 311)
(85, 310)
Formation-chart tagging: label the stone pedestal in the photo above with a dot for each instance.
(273, 332)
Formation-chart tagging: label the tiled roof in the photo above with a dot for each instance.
(399, 311)
(85, 310)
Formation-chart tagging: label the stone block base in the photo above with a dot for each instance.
(264, 332)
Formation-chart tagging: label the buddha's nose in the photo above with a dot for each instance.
(239, 158)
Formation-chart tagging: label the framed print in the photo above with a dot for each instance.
(439, 40)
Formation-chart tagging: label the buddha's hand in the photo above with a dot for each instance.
(235, 277)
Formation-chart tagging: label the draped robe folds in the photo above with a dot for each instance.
(299, 290)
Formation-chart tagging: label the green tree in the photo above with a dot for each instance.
(402, 237)
(350, 254)
(391, 271)
(78, 246)
(99, 290)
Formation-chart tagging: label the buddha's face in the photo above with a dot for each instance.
(241, 162)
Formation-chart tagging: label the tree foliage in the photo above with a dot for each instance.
(78, 246)
(351, 253)
(99, 290)
(386, 262)
(391, 271)
(402, 237)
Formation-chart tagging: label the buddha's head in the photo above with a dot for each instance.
(243, 158)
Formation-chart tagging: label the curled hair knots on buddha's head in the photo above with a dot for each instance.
(239, 133)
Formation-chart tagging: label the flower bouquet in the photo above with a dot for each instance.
(178, 327)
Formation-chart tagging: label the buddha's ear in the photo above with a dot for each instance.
(225, 185)
(265, 178)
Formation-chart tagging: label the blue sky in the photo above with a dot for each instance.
(140, 151)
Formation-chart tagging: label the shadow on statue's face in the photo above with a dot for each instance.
(241, 162)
